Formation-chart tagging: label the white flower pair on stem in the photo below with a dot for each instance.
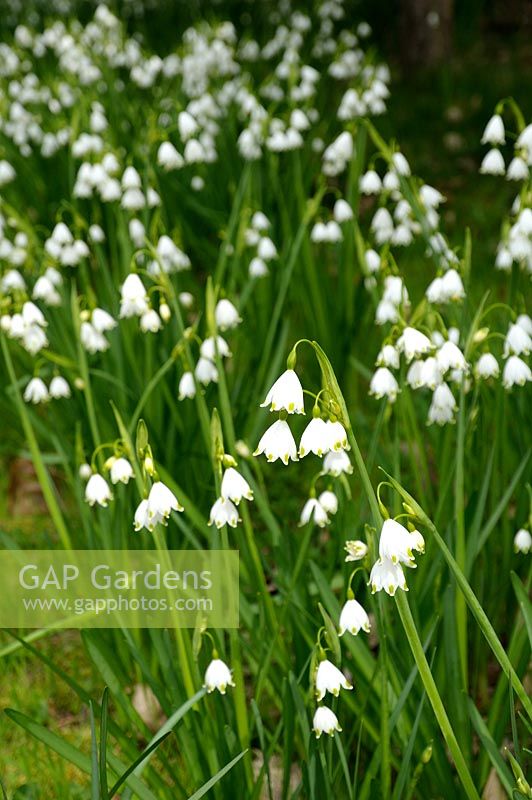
(234, 487)
(396, 546)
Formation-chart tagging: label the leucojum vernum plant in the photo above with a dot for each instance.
(208, 260)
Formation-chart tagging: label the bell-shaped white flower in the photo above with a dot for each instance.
(413, 343)
(330, 679)
(235, 486)
(337, 435)
(353, 618)
(356, 550)
(142, 520)
(518, 170)
(315, 438)
(449, 356)
(522, 541)
(494, 131)
(278, 442)
(162, 501)
(286, 394)
(487, 367)
(36, 392)
(133, 297)
(313, 510)
(396, 543)
(150, 321)
(337, 463)
(226, 315)
(325, 721)
(342, 211)
(443, 405)
(493, 163)
(388, 576)
(384, 384)
(224, 512)
(525, 322)
(388, 357)
(206, 372)
(97, 491)
(515, 373)
(121, 470)
(187, 386)
(212, 346)
(517, 342)
(102, 321)
(59, 387)
(217, 676)
(328, 501)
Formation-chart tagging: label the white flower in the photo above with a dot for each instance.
(161, 501)
(226, 315)
(85, 471)
(206, 372)
(97, 491)
(449, 356)
(150, 321)
(257, 268)
(430, 374)
(524, 321)
(217, 676)
(91, 339)
(235, 486)
(493, 163)
(36, 391)
(330, 679)
(313, 510)
(370, 182)
(286, 393)
(315, 438)
(141, 519)
(487, 366)
(133, 299)
(384, 384)
(59, 387)
(388, 357)
(443, 405)
(453, 286)
(187, 386)
(336, 435)
(266, 249)
(223, 512)
(517, 341)
(212, 346)
(386, 312)
(278, 442)
(168, 157)
(342, 211)
(413, 343)
(325, 721)
(328, 501)
(494, 131)
(517, 170)
(388, 576)
(356, 550)
(337, 463)
(102, 321)
(353, 618)
(396, 543)
(522, 541)
(515, 373)
(121, 470)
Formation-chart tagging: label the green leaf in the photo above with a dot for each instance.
(142, 438)
(143, 756)
(103, 744)
(332, 635)
(524, 603)
(219, 775)
(95, 772)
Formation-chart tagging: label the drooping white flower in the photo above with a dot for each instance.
(150, 321)
(337, 435)
(97, 491)
(315, 438)
(121, 470)
(413, 343)
(226, 315)
(494, 131)
(449, 356)
(235, 486)
(286, 393)
(206, 372)
(102, 321)
(517, 342)
(356, 550)
(396, 543)
(337, 463)
(330, 679)
(36, 391)
(133, 297)
(278, 442)
(224, 512)
(217, 676)
(328, 501)
(487, 366)
(443, 405)
(388, 576)
(353, 618)
(522, 541)
(325, 721)
(515, 373)
(384, 384)
(430, 374)
(342, 211)
(388, 357)
(187, 386)
(212, 346)
(313, 510)
(162, 501)
(92, 340)
(59, 387)
(524, 321)
(141, 518)
(518, 170)
(168, 157)
(493, 163)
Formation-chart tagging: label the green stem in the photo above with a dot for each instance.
(433, 694)
(459, 503)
